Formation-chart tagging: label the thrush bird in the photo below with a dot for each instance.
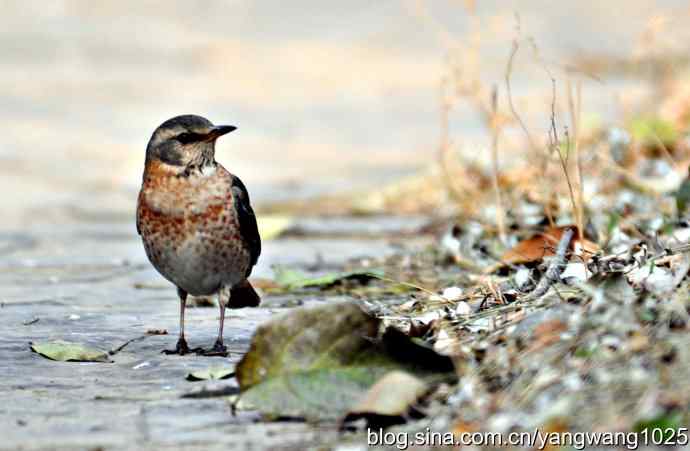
(195, 220)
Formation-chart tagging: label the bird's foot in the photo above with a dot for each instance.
(218, 350)
(180, 349)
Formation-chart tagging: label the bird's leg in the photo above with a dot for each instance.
(181, 348)
(219, 349)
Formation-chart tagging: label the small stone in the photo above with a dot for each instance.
(428, 317)
(575, 271)
(522, 277)
(452, 293)
(408, 306)
(463, 308)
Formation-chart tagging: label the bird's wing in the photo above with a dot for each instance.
(245, 216)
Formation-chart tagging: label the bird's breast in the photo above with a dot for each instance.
(190, 229)
(185, 204)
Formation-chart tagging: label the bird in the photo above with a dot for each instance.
(196, 221)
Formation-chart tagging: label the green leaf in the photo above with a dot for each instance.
(614, 220)
(584, 352)
(316, 363)
(316, 394)
(69, 352)
(682, 196)
(273, 226)
(213, 373)
(651, 130)
(292, 279)
(668, 422)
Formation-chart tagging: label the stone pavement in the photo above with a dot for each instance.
(91, 284)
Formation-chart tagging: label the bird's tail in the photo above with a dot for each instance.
(243, 295)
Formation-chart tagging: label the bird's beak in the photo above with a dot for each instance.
(220, 130)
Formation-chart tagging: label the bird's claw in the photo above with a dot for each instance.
(218, 350)
(181, 349)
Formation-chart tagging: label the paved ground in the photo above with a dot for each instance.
(91, 284)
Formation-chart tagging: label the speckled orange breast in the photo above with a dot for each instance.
(190, 229)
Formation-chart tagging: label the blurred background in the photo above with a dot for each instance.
(326, 99)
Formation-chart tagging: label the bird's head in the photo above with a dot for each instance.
(185, 141)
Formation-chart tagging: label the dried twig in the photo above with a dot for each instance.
(554, 146)
(509, 70)
(664, 151)
(444, 146)
(534, 146)
(495, 131)
(574, 106)
(407, 284)
(125, 344)
(556, 267)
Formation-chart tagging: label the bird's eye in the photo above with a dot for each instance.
(186, 138)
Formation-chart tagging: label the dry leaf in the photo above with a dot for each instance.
(69, 352)
(157, 332)
(389, 400)
(547, 333)
(464, 427)
(315, 362)
(544, 244)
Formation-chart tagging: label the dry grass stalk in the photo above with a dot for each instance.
(445, 147)
(509, 70)
(575, 108)
(555, 145)
(534, 146)
(495, 132)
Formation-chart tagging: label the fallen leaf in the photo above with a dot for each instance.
(543, 244)
(667, 422)
(461, 427)
(273, 226)
(264, 284)
(639, 342)
(649, 131)
(214, 373)
(682, 195)
(317, 362)
(226, 391)
(389, 400)
(292, 279)
(550, 327)
(69, 352)
(555, 426)
(157, 332)
(547, 333)
(151, 286)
